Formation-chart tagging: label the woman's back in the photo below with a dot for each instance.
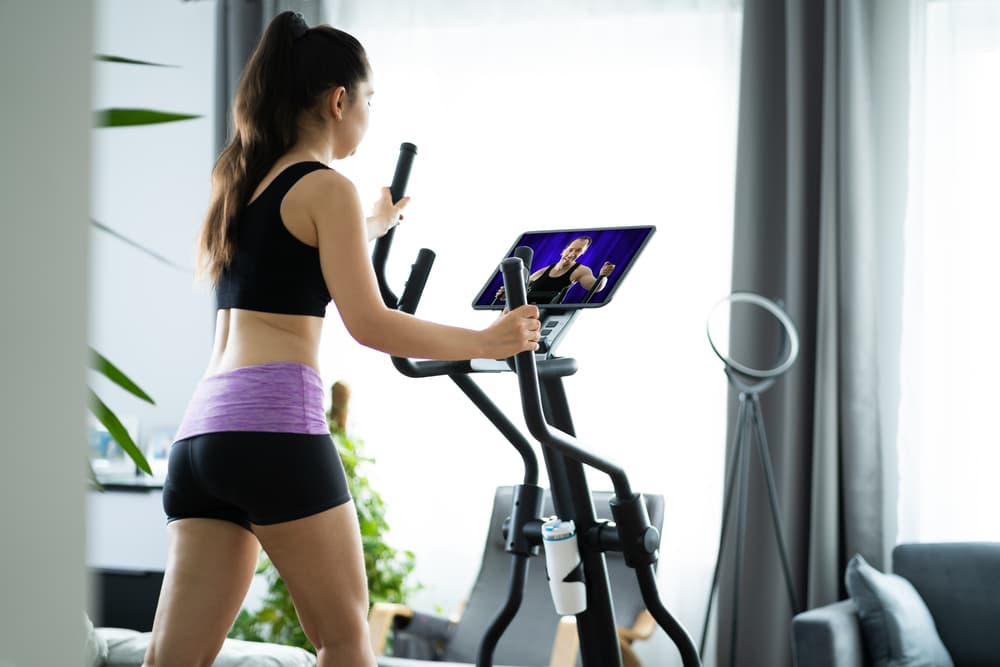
(272, 297)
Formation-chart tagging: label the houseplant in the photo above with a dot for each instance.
(388, 569)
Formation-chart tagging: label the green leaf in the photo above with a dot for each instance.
(127, 61)
(118, 432)
(100, 364)
(130, 117)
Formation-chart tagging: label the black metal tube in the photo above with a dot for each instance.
(502, 424)
(741, 527)
(596, 625)
(380, 254)
(727, 504)
(426, 369)
(524, 512)
(651, 597)
(515, 593)
(414, 288)
(772, 495)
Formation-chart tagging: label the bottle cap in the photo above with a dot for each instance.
(554, 530)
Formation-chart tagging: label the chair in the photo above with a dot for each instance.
(960, 584)
(537, 637)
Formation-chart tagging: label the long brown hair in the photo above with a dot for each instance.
(290, 72)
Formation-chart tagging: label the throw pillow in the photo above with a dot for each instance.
(896, 625)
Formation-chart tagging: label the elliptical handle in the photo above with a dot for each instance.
(526, 254)
(397, 189)
(414, 287)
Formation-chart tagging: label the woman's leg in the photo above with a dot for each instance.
(210, 564)
(320, 559)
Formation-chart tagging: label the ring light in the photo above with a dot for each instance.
(791, 335)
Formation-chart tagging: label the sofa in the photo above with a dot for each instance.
(958, 582)
(121, 647)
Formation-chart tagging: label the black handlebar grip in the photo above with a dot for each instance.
(407, 152)
(526, 254)
(397, 189)
(514, 286)
(414, 288)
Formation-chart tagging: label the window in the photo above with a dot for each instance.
(949, 435)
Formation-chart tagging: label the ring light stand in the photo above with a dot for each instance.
(750, 382)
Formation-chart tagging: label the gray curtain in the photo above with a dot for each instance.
(239, 25)
(820, 198)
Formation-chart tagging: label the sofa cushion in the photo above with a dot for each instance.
(126, 648)
(95, 650)
(897, 627)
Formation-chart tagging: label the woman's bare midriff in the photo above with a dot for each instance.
(250, 338)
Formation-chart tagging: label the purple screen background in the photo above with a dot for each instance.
(618, 246)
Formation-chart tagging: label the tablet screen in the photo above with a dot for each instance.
(571, 268)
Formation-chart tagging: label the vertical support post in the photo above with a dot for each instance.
(571, 497)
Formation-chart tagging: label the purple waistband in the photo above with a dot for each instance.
(280, 397)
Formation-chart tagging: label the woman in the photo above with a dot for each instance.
(253, 464)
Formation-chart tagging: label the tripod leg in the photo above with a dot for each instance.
(740, 533)
(730, 478)
(772, 494)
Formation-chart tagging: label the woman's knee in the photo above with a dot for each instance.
(352, 650)
(345, 628)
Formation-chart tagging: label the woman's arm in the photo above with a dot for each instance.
(335, 209)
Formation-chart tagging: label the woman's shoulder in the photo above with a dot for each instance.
(318, 187)
(326, 179)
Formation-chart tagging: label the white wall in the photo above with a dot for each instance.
(44, 132)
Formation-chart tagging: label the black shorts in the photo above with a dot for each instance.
(253, 477)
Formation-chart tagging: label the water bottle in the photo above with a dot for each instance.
(563, 567)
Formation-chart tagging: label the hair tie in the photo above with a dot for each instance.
(299, 25)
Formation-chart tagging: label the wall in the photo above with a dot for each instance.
(44, 131)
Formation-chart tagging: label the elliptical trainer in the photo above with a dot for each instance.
(548, 418)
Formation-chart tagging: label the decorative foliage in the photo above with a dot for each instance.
(108, 418)
(110, 421)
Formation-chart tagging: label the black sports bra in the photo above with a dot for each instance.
(272, 271)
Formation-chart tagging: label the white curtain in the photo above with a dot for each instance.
(949, 432)
(553, 115)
